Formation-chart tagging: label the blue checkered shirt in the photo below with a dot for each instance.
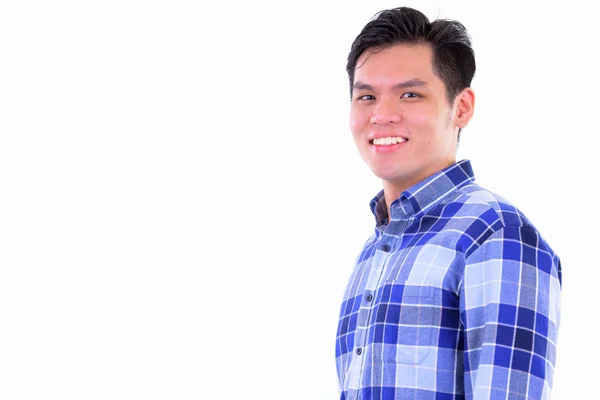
(457, 297)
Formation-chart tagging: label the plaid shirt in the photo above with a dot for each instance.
(458, 297)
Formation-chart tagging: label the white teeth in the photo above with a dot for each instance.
(388, 141)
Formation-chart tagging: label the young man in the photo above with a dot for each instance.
(456, 294)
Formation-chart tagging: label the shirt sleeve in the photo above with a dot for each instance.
(510, 311)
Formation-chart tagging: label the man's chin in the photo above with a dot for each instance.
(398, 177)
(391, 177)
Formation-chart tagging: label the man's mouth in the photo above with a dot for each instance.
(387, 141)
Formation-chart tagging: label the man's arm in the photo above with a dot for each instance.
(510, 310)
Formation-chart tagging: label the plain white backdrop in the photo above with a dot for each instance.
(181, 201)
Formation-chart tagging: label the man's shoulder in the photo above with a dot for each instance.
(475, 201)
(475, 214)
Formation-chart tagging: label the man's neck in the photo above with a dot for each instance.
(391, 192)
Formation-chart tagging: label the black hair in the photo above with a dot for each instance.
(453, 56)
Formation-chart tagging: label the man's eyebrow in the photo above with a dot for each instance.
(358, 85)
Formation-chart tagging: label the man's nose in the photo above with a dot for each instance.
(385, 113)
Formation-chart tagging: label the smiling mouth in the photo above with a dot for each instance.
(387, 141)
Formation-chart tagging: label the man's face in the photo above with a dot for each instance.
(398, 101)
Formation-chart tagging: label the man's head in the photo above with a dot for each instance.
(453, 57)
(410, 79)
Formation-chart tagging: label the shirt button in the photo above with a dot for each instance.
(369, 298)
(385, 247)
(359, 351)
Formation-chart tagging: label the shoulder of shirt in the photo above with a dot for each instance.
(484, 213)
(478, 202)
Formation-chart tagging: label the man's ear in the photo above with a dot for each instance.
(465, 106)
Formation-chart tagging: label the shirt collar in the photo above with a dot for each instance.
(424, 194)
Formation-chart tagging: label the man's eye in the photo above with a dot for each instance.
(409, 95)
(366, 97)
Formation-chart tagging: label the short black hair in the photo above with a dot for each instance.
(453, 55)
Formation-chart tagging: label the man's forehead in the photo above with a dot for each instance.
(399, 66)
(403, 55)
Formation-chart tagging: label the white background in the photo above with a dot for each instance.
(181, 201)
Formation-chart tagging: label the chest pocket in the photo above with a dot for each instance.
(404, 323)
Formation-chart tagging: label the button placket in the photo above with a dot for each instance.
(376, 270)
